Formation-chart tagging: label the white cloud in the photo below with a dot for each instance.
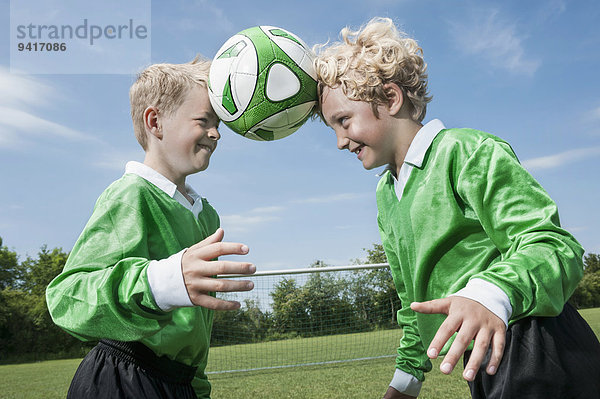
(251, 219)
(17, 94)
(576, 229)
(487, 34)
(202, 15)
(268, 214)
(594, 114)
(243, 223)
(115, 160)
(15, 119)
(331, 198)
(550, 10)
(18, 90)
(560, 159)
(268, 209)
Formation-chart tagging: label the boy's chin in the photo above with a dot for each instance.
(369, 166)
(202, 168)
(197, 168)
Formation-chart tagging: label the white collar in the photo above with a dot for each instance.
(416, 154)
(166, 185)
(421, 142)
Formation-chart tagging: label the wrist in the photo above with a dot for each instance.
(165, 278)
(490, 296)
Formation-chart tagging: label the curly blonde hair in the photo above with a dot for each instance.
(367, 59)
(164, 86)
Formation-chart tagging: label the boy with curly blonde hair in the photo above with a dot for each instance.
(139, 278)
(475, 247)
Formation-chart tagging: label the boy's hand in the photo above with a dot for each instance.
(472, 321)
(198, 268)
(392, 393)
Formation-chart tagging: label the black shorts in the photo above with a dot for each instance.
(115, 369)
(544, 358)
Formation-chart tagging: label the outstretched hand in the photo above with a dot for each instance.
(198, 267)
(472, 321)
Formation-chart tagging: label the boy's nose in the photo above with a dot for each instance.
(214, 134)
(342, 142)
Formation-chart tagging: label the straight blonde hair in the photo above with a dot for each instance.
(165, 87)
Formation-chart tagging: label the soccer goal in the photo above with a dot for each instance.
(312, 316)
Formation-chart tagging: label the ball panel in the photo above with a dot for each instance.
(243, 86)
(227, 99)
(233, 51)
(282, 83)
(283, 33)
(281, 124)
(239, 56)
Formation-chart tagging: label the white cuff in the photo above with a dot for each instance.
(406, 383)
(489, 295)
(166, 283)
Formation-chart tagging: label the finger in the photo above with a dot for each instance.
(480, 348)
(429, 307)
(443, 334)
(220, 285)
(210, 302)
(461, 343)
(217, 236)
(220, 267)
(218, 249)
(498, 343)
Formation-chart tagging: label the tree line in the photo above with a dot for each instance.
(325, 304)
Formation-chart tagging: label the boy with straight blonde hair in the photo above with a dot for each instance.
(139, 278)
(475, 247)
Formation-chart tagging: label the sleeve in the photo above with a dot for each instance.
(103, 291)
(201, 384)
(412, 359)
(165, 277)
(540, 263)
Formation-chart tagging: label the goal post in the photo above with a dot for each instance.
(316, 315)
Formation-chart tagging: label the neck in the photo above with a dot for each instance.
(169, 173)
(409, 129)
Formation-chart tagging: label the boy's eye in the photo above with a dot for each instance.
(343, 121)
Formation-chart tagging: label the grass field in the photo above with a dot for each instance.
(360, 379)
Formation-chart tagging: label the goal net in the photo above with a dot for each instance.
(318, 315)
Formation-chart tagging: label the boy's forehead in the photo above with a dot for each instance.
(196, 100)
(333, 102)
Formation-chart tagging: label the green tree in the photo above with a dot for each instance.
(379, 291)
(587, 294)
(591, 263)
(38, 273)
(376, 254)
(244, 325)
(10, 271)
(289, 311)
(328, 304)
(26, 328)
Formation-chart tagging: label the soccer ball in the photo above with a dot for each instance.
(262, 83)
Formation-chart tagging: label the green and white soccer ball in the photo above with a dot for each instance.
(262, 83)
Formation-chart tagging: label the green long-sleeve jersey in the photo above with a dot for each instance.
(103, 291)
(470, 210)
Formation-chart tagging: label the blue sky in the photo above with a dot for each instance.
(524, 71)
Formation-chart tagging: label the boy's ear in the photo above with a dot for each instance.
(151, 122)
(395, 97)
